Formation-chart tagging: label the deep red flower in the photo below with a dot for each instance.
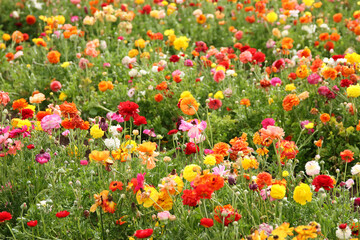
(140, 120)
(214, 104)
(343, 226)
(32, 223)
(190, 198)
(259, 57)
(201, 46)
(174, 58)
(191, 148)
(5, 216)
(144, 233)
(27, 113)
(146, 9)
(30, 146)
(323, 181)
(128, 109)
(203, 191)
(207, 222)
(173, 131)
(62, 214)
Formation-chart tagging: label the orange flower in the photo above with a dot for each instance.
(290, 101)
(329, 73)
(325, 117)
(147, 147)
(287, 43)
(347, 155)
(19, 104)
(189, 106)
(302, 71)
(53, 57)
(319, 143)
(103, 86)
(263, 179)
(201, 19)
(337, 17)
(324, 36)
(158, 97)
(17, 37)
(99, 156)
(221, 148)
(335, 37)
(245, 102)
(30, 19)
(68, 109)
(162, 86)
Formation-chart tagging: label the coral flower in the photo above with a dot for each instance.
(99, 156)
(272, 132)
(347, 156)
(144, 233)
(53, 57)
(207, 222)
(290, 101)
(4, 98)
(263, 179)
(37, 98)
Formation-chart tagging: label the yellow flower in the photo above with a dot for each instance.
(169, 32)
(210, 160)
(140, 43)
(6, 37)
(290, 87)
(249, 163)
(22, 123)
(127, 143)
(31, 107)
(65, 64)
(185, 94)
(270, 101)
(133, 53)
(191, 171)
(62, 96)
(302, 194)
(308, 3)
(96, 132)
(2, 46)
(181, 43)
(38, 126)
(278, 191)
(352, 58)
(353, 91)
(139, 2)
(164, 3)
(310, 125)
(219, 95)
(285, 173)
(271, 17)
(147, 197)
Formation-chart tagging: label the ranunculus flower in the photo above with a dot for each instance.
(144, 233)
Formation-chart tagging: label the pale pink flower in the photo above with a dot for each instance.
(272, 132)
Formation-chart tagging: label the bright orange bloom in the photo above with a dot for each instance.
(158, 97)
(245, 102)
(319, 143)
(287, 43)
(17, 37)
(30, 19)
(201, 19)
(189, 106)
(221, 148)
(290, 101)
(19, 104)
(263, 179)
(324, 36)
(53, 57)
(347, 155)
(103, 86)
(68, 109)
(335, 37)
(99, 156)
(325, 118)
(337, 17)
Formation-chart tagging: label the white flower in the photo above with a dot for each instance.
(230, 72)
(343, 234)
(143, 72)
(294, 13)
(112, 143)
(349, 183)
(18, 54)
(355, 170)
(312, 168)
(154, 69)
(113, 130)
(103, 45)
(133, 72)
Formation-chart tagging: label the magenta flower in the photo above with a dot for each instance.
(275, 81)
(140, 181)
(42, 157)
(268, 122)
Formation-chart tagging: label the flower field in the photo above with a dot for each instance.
(182, 119)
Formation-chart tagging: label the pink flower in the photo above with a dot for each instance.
(4, 98)
(117, 117)
(272, 132)
(83, 63)
(163, 215)
(313, 78)
(75, 1)
(194, 128)
(208, 151)
(84, 162)
(65, 133)
(149, 132)
(74, 18)
(268, 122)
(140, 182)
(188, 63)
(106, 65)
(275, 81)
(50, 122)
(238, 35)
(245, 57)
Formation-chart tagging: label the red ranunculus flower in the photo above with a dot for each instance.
(174, 58)
(128, 109)
(203, 191)
(190, 198)
(30, 146)
(214, 104)
(27, 113)
(32, 223)
(171, 132)
(5, 216)
(191, 148)
(258, 57)
(140, 120)
(347, 155)
(207, 222)
(62, 214)
(323, 181)
(144, 233)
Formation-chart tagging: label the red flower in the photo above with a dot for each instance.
(214, 104)
(207, 222)
(128, 109)
(174, 58)
(115, 185)
(203, 191)
(30, 146)
(32, 223)
(144, 233)
(27, 113)
(191, 148)
(5, 216)
(147, 9)
(62, 214)
(171, 132)
(190, 198)
(140, 120)
(323, 181)
(258, 57)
